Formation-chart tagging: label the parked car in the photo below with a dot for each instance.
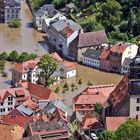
(93, 136)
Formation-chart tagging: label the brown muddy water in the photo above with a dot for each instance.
(26, 38)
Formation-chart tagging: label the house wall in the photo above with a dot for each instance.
(130, 52)
(105, 65)
(133, 105)
(71, 73)
(125, 69)
(12, 13)
(7, 105)
(91, 62)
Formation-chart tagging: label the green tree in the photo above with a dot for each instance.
(129, 130)
(98, 110)
(32, 56)
(109, 14)
(24, 56)
(80, 81)
(57, 90)
(13, 56)
(15, 23)
(48, 65)
(3, 56)
(107, 135)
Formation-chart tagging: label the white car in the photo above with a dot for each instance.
(93, 136)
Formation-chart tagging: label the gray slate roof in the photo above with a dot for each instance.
(10, 3)
(92, 39)
(92, 53)
(61, 24)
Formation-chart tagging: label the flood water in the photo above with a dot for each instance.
(25, 38)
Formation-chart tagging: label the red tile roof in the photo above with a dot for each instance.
(113, 123)
(67, 31)
(105, 53)
(120, 47)
(120, 93)
(93, 95)
(30, 104)
(23, 67)
(56, 57)
(90, 122)
(68, 65)
(12, 118)
(40, 92)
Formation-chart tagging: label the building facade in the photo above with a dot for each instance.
(134, 86)
(12, 10)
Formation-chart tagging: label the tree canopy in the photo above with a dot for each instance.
(48, 65)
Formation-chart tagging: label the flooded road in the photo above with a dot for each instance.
(96, 77)
(26, 38)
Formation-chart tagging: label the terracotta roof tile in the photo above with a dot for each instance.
(120, 47)
(89, 121)
(40, 92)
(67, 31)
(120, 93)
(105, 53)
(113, 123)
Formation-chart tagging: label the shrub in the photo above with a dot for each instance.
(13, 56)
(15, 23)
(76, 88)
(72, 85)
(80, 81)
(72, 89)
(23, 57)
(63, 91)
(3, 56)
(65, 86)
(32, 56)
(4, 74)
(57, 90)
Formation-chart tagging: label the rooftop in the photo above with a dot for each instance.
(113, 123)
(92, 39)
(42, 126)
(94, 94)
(11, 132)
(39, 92)
(92, 53)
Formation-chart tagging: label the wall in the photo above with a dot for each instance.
(133, 105)
(12, 13)
(91, 62)
(6, 106)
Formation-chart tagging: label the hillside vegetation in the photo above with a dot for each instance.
(119, 18)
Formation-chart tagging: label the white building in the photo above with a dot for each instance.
(47, 11)
(12, 97)
(27, 71)
(65, 68)
(12, 10)
(62, 33)
(91, 58)
(46, 21)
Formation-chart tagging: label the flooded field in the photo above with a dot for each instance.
(26, 38)
(96, 77)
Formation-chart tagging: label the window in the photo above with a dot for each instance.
(10, 103)
(10, 108)
(7, 10)
(12, 10)
(138, 100)
(3, 109)
(10, 98)
(137, 108)
(1, 104)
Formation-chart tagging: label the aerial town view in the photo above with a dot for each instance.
(69, 69)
